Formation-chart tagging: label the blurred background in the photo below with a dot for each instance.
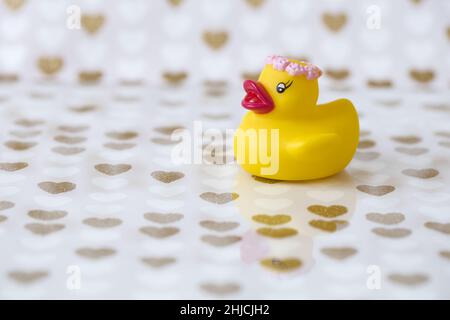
(402, 43)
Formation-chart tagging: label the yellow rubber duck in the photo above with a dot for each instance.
(286, 135)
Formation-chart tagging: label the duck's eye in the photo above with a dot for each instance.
(281, 87)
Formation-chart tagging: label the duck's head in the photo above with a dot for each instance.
(285, 88)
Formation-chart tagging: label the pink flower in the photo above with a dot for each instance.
(270, 59)
(280, 63)
(295, 69)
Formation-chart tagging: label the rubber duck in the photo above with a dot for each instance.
(286, 135)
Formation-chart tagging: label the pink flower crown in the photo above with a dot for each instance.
(293, 68)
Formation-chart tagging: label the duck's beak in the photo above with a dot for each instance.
(257, 98)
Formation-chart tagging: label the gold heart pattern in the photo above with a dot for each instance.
(328, 212)
(272, 220)
(50, 65)
(13, 166)
(215, 39)
(339, 253)
(14, 4)
(92, 22)
(376, 190)
(386, 218)
(56, 187)
(167, 176)
(282, 265)
(85, 162)
(111, 169)
(219, 198)
(334, 22)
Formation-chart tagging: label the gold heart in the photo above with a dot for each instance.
(366, 156)
(50, 65)
(365, 144)
(14, 4)
(174, 78)
(444, 134)
(392, 233)
(445, 254)
(215, 39)
(102, 223)
(111, 169)
(383, 83)
(84, 109)
(29, 122)
(168, 130)
(272, 220)
(215, 83)
(69, 139)
(47, 215)
(167, 176)
(328, 212)
(119, 146)
(410, 139)
(158, 262)
(440, 227)
(220, 241)
(219, 198)
(163, 218)
(13, 166)
(92, 22)
(66, 151)
(409, 280)
(73, 129)
(277, 233)
(5, 205)
(334, 22)
(219, 226)
(44, 229)
(376, 190)
(220, 289)
(122, 135)
(159, 233)
(422, 173)
(25, 134)
(95, 253)
(19, 145)
(445, 144)
(339, 253)
(8, 78)
(337, 74)
(56, 187)
(175, 3)
(215, 92)
(411, 151)
(255, 3)
(89, 77)
(220, 116)
(27, 276)
(164, 141)
(329, 226)
(387, 218)
(282, 265)
(250, 75)
(422, 76)
(265, 180)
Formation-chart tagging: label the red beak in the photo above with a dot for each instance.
(257, 99)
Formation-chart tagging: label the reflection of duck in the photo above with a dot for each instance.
(315, 141)
(286, 216)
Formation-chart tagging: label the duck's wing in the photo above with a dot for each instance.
(315, 147)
